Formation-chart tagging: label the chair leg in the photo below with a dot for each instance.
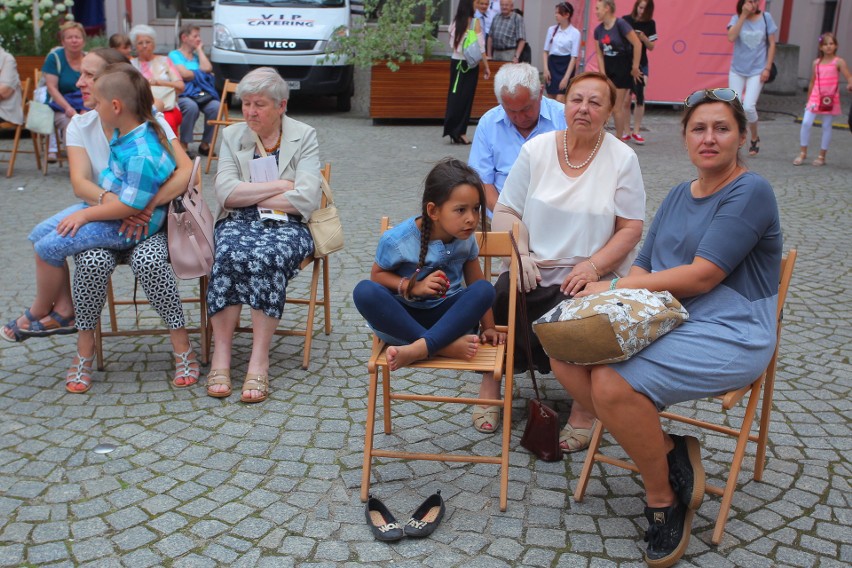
(14, 153)
(312, 307)
(588, 464)
(368, 435)
(326, 295)
(386, 401)
(507, 437)
(765, 412)
(736, 466)
(202, 320)
(45, 141)
(37, 151)
(99, 346)
(212, 146)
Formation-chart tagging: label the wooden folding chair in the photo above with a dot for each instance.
(115, 331)
(202, 328)
(26, 94)
(496, 359)
(319, 268)
(223, 119)
(729, 400)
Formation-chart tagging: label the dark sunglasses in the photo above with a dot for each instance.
(722, 94)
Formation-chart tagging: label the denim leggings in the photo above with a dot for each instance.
(399, 324)
(53, 248)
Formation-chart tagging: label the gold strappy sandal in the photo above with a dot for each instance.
(219, 377)
(258, 383)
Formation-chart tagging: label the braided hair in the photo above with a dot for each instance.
(439, 185)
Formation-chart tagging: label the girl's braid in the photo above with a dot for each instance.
(425, 235)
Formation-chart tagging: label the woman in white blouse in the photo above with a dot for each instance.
(561, 48)
(588, 184)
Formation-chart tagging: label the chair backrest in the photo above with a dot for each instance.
(230, 88)
(326, 173)
(732, 398)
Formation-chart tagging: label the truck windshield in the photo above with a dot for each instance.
(286, 3)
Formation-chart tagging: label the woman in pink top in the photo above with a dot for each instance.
(824, 88)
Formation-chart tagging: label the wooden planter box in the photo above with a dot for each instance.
(26, 64)
(419, 91)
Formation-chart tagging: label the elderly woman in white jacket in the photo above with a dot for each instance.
(261, 235)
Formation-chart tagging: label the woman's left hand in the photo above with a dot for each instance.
(637, 74)
(69, 226)
(492, 336)
(764, 75)
(581, 275)
(593, 288)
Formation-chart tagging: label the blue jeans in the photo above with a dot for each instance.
(398, 324)
(190, 111)
(53, 248)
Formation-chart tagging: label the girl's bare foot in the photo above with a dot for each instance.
(464, 347)
(404, 355)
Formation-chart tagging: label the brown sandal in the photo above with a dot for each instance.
(258, 383)
(219, 377)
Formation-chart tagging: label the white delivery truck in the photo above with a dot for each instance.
(289, 35)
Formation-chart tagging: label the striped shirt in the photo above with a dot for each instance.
(138, 166)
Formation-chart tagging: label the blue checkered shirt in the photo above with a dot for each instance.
(138, 166)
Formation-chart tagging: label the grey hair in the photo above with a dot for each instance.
(142, 29)
(514, 75)
(264, 81)
(609, 4)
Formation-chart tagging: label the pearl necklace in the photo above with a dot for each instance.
(589, 159)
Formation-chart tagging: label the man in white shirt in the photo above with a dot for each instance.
(522, 114)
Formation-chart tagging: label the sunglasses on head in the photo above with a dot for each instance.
(722, 94)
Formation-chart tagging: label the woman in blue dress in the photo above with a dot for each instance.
(267, 187)
(715, 244)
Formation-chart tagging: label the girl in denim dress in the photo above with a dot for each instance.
(427, 294)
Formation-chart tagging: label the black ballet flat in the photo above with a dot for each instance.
(427, 517)
(382, 522)
(460, 140)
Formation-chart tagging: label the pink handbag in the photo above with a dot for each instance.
(190, 231)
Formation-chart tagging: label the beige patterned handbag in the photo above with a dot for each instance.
(609, 326)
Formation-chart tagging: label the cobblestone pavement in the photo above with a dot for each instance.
(197, 481)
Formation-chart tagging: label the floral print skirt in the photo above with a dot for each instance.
(254, 260)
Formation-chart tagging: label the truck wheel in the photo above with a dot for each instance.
(344, 102)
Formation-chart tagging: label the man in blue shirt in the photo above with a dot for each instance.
(522, 114)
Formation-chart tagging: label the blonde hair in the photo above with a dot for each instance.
(71, 25)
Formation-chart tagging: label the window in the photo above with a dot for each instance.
(188, 9)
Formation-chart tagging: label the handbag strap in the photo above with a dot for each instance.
(326, 189)
(523, 324)
(260, 149)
